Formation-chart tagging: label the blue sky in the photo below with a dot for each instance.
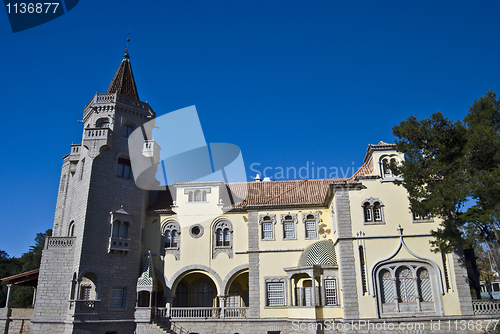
(289, 82)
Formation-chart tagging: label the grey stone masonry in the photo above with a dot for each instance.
(347, 268)
(253, 270)
(461, 278)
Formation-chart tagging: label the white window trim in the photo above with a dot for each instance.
(305, 220)
(294, 222)
(272, 221)
(276, 280)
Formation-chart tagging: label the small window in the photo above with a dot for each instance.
(197, 196)
(289, 221)
(373, 212)
(171, 238)
(311, 223)
(204, 196)
(267, 226)
(117, 298)
(331, 292)
(124, 168)
(120, 230)
(85, 292)
(71, 229)
(276, 294)
(127, 131)
(222, 238)
(190, 196)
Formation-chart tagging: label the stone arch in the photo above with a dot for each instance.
(232, 274)
(175, 279)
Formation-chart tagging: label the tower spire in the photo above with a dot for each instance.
(123, 82)
(126, 55)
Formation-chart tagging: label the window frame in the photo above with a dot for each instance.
(275, 281)
(289, 219)
(373, 211)
(124, 168)
(315, 220)
(334, 289)
(225, 245)
(269, 220)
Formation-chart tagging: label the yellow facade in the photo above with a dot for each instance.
(356, 253)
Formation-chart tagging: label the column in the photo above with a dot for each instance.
(222, 303)
(8, 296)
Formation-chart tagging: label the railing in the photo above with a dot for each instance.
(85, 306)
(97, 133)
(59, 242)
(235, 312)
(195, 312)
(486, 306)
(118, 244)
(159, 316)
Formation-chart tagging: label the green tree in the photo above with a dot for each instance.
(448, 163)
(21, 296)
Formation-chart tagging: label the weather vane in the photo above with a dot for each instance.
(126, 55)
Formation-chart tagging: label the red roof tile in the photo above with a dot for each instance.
(123, 82)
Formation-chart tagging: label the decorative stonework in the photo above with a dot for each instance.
(196, 231)
(222, 238)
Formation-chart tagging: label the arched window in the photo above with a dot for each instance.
(367, 212)
(387, 292)
(71, 229)
(197, 196)
(190, 196)
(204, 196)
(373, 212)
(203, 295)
(223, 238)
(424, 285)
(116, 229)
(406, 288)
(124, 230)
(171, 231)
(181, 296)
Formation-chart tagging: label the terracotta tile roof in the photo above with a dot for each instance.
(248, 195)
(380, 146)
(281, 193)
(123, 82)
(366, 169)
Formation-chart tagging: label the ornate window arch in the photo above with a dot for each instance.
(267, 223)
(311, 221)
(385, 161)
(407, 288)
(373, 211)
(170, 232)
(289, 221)
(222, 238)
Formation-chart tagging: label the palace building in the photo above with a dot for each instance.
(213, 257)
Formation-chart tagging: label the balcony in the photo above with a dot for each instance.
(118, 244)
(206, 312)
(59, 242)
(83, 307)
(486, 306)
(95, 138)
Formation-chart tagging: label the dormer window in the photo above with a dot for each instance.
(385, 165)
(198, 195)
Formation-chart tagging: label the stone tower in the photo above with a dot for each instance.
(90, 265)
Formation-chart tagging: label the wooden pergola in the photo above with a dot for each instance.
(29, 278)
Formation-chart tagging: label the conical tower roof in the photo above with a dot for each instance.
(123, 82)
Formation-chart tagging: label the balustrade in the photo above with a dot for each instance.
(486, 306)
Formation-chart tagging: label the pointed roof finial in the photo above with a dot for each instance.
(126, 55)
